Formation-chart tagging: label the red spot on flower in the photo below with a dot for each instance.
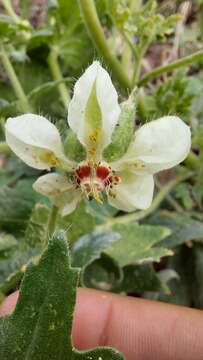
(83, 172)
(102, 172)
(117, 179)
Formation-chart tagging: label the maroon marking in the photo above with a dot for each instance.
(102, 172)
(108, 181)
(83, 172)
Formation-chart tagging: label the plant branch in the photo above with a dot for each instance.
(9, 9)
(137, 216)
(24, 104)
(57, 75)
(96, 33)
(187, 60)
(52, 222)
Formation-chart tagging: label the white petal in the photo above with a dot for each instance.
(59, 190)
(134, 192)
(52, 184)
(107, 99)
(158, 145)
(71, 206)
(35, 140)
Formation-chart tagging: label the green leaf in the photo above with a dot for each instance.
(123, 133)
(78, 223)
(101, 212)
(69, 11)
(7, 26)
(90, 246)
(183, 228)
(44, 89)
(136, 244)
(37, 226)
(138, 279)
(41, 36)
(174, 96)
(28, 245)
(102, 274)
(40, 326)
(181, 289)
(16, 204)
(7, 242)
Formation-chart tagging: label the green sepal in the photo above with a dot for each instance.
(123, 133)
(73, 148)
(40, 326)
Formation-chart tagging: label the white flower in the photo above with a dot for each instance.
(93, 114)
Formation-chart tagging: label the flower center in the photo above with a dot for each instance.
(94, 178)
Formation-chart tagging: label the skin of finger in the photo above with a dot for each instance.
(141, 329)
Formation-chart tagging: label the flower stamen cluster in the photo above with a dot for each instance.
(95, 178)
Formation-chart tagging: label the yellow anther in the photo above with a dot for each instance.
(92, 152)
(50, 158)
(94, 135)
(139, 165)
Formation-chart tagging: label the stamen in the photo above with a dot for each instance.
(50, 158)
(94, 178)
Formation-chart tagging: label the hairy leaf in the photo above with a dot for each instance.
(136, 244)
(40, 327)
(183, 228)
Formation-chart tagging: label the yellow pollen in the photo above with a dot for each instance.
(94, 136)
(96, 196)
(92, 151)
(49, 157)
(139, 165)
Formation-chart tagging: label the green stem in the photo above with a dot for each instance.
(137, 70)
(138, 65)
(24, 104)
(126, 57)
(8, 7)
(57, 75)
(187, 60)
(4, 148)
(96, 33)
(137, 216)
(52, 222)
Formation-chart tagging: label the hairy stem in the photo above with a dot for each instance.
(187, 60)
(52, 222)
(57, 75)
(138, 64)
(96, 33)
(137, 216)
(24, 104)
